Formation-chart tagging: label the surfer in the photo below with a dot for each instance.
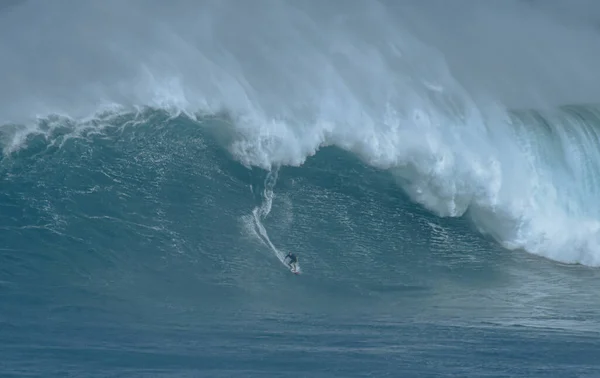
(293, 260)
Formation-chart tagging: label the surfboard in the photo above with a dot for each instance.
(294, 270)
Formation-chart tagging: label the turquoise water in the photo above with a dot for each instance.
(434, 167)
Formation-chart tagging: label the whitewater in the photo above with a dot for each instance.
(434, 165)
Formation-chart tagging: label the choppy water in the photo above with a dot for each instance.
(443, 204)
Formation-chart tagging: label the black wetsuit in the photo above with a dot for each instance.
(292, 257)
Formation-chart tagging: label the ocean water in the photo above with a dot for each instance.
(434, 166)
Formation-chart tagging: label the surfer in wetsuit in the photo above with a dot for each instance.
(293, 260)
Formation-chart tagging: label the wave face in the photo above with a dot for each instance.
(472, 122)
(137, 231)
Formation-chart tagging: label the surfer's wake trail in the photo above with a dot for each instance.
(260, 212)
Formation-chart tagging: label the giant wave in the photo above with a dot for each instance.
(472, 125)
